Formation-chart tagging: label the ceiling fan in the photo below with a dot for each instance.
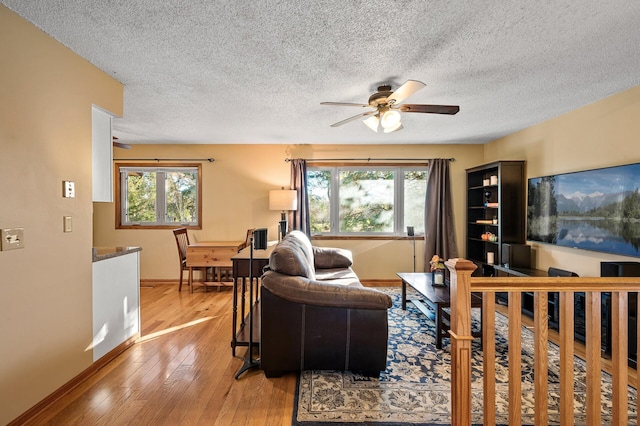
(117, 144)
(387, 106)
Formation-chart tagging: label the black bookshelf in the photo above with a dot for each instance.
(495, 204)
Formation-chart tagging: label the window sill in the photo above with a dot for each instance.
(365, 237)
(173, 226)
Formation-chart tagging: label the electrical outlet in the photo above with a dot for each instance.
(68, 189)
(11, 239)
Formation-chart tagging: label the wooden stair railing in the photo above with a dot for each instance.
(461, 286)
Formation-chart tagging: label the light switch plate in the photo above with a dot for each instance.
(11, 239)
(68, 224)
(68, 189)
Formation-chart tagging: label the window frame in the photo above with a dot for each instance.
(399, 206)
(120, 203)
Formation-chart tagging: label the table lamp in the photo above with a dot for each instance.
(283, 200)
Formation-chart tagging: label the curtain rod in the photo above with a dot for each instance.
(369, 159)
(210, 160)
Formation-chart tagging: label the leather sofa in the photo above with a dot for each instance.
(316, 315)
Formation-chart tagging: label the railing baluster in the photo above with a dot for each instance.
(515, 358)
(461, 287)
(593, 344)
(541, 357)
(461, 338)
(489, 356)
(619, 356)
(566, 358)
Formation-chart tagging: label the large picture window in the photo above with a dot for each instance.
(158, 196)
(366, 200)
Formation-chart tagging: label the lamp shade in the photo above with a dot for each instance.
(283, 199)
(390, 120)
(397, 127)
(372, 123)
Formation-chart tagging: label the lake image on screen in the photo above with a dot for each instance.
(595, 210)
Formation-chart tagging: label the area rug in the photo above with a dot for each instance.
(415, 388)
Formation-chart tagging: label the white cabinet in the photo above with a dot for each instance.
(102, 155)
(116, 302)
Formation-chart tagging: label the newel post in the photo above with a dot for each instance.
(460, 294)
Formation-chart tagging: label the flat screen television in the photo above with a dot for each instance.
(595, 210)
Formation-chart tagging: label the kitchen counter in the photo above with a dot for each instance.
(102, 253)
(115, 299)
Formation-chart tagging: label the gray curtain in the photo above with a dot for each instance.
(299, 219)
(439, 228)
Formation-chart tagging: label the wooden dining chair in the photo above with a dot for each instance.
(226, 273)
(182, 240)
(247, 241)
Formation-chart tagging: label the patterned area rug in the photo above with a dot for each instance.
(415, 387)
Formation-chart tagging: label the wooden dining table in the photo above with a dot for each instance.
(211, 254)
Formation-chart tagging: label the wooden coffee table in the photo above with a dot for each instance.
(436, 297)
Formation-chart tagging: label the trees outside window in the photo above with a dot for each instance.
(366, 200)
(158, 196)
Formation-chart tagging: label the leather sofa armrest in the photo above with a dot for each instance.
(311, 292)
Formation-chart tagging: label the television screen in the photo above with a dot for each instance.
(595, 210)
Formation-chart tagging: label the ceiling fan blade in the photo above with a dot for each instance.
(344, 104)
(117, 144)
(404, 91)
(121, 145)
(355, 117)
(432, 109)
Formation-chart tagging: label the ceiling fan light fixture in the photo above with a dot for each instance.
(372, 123)
(387, 106)
(397, 127)
(390, 119)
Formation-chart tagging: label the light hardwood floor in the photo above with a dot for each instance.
(180, 372)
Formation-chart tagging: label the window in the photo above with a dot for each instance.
(158, 196)
(366, 200)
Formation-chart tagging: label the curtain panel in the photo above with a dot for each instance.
(299, 219)
(439, 227)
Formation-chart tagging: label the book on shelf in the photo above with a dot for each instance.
(484, 221)
(491, 204)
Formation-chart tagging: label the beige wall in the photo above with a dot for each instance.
(601, 134)
(46, 93)
(235, 197)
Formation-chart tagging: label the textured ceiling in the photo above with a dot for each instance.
(205, 71)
